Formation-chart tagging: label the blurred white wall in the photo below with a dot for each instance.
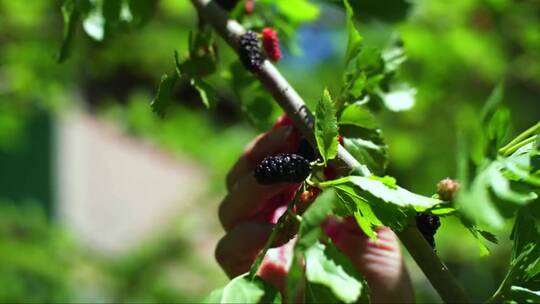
(114, 191)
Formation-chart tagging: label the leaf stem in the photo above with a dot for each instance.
(287, 216)
(529, 132)
(295, 107)
(508, 150)
(495, 298)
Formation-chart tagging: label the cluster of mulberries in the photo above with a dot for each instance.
(428, 225)
(282, 168)
(251, 54)
(270, 43)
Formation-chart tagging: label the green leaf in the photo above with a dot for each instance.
(202, 59)
(367, 146)
(392, 205)
(295, 276)
(297, 11)
(359, 116)
(111, 11)
(142, 10)
(478, 196)
(498, 126)
(362, 212)
(394, 55)
(206, 92)
(388, 11)
(317, 293)
(189, 69)
(214, 296)
(525, 231)
(94, 24)
(310, 231)
(354, 41)
(257, 105)
(326, 127)
(523, 277)
(73, 11)
(368, 153)
(327, 266)
(163, 98)
(492, 103)
(391, 194)
(523, 295)
(243, 290)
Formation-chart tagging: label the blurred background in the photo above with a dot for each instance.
(101, 200)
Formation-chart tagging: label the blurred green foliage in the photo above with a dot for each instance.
(456, 53)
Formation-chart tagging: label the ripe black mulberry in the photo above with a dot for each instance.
(251, 54)
(282, 168)
(306, 151)
(428, 225)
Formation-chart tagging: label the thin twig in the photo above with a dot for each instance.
(286, 217)
(295, 107)
(438, 274)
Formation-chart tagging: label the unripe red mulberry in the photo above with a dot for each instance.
(249, 6)
(447, 189)
(282, 168)
(309, 195)
(271, 44)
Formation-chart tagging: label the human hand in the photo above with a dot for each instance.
(248, 215)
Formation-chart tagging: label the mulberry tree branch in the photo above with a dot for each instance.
(295, 107)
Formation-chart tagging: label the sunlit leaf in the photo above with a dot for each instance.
(327, 266)
(243, 290)
(359, 116)
(297, 11)
(394, 195)
(94, 25)
(402, 99)
(326, 127)
(354, 40)
(362, 212)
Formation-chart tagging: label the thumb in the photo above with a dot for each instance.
(380, 261)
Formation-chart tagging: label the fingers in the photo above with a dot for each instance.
(237, 250)
(246, 199)
(380, 261)
(277, 140)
